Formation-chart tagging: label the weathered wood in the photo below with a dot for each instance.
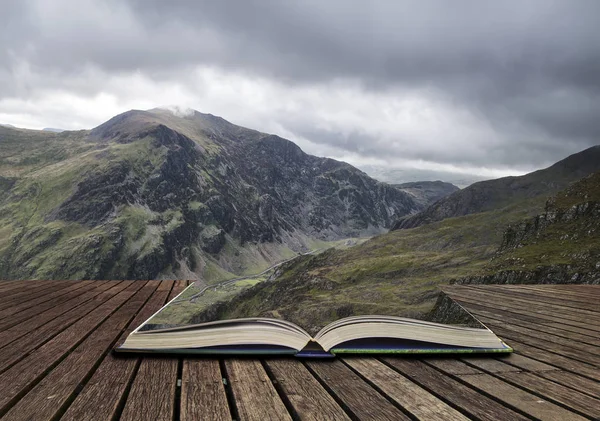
(574, 381)
(20, 348)
(490, 365)
(14, 332)
(539, 311)
(44, 301)
(445, 387)
(570, 350)
(520, 399)
(152, 395)
(25, 373)
(526, 363)
(517, 316)
(554, 338)
(584, 404)
(32, 293)
(100, 398)
(203, 396)
(308, 398)
(557, 360)
(177, 288)
(536, 326)
(358, 397)
(401, 390)
(450, 365)
(46, 399)
(495, 300)
(255, 396)
(548, 296)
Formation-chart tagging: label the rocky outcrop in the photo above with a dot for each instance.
(496, 194)
(553, 274)
(427, 192)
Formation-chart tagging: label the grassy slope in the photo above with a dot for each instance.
(395, 273)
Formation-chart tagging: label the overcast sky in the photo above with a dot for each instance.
(479, 87)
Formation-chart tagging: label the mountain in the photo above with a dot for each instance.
(152, 194)
(495, 194)
(395, 273)
(52, 129)
(393, 175)
(427, 192)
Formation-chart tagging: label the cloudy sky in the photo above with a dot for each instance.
(475, 87)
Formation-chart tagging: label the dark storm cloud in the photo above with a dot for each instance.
(528, 69)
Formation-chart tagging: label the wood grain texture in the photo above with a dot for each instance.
(520, 399)
(54, 363)
(102, 396)
(46, 399)
(407, 394)
(470, 401)
(574, 399)
(152, 395)
(358, 396)
(25, 373)
(308, 398)
(203, 396)
(8, 335)
(255, 396)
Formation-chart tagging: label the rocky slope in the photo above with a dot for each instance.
(495, 194)
(427, 192)
(398, 272)
(149, 194)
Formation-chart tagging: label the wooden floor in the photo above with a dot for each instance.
(55, 363)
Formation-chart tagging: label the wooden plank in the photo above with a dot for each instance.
(574, 381)
(51, 296)
(152, 394)
(561, 338)
(407, 394)
(520, 399)
(22, 347)
(21, 287)
(203, 396)
(101, 398)
(572, 350)
(177, 288)
(490, 365)
(32, 292)
(526, 363)
(449, 365)
(565, 296)
(6, 286)
(468, 400)
(583, 404)
(45, 400)
(27, 326)
(358, 397)
(254, 394)
(561, 300)
(493, 299)
(34, 307)
(557, 360)
(27, 371)
(523, 315)
(531, 309)
(308, 398)
(562, 331)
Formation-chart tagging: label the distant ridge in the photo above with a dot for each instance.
(495, 194)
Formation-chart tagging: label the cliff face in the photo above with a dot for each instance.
(148, 194)
(561, 245)
(496, 194)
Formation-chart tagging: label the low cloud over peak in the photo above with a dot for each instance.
(506, 87)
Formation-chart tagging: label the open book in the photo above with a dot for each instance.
(355, 334)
